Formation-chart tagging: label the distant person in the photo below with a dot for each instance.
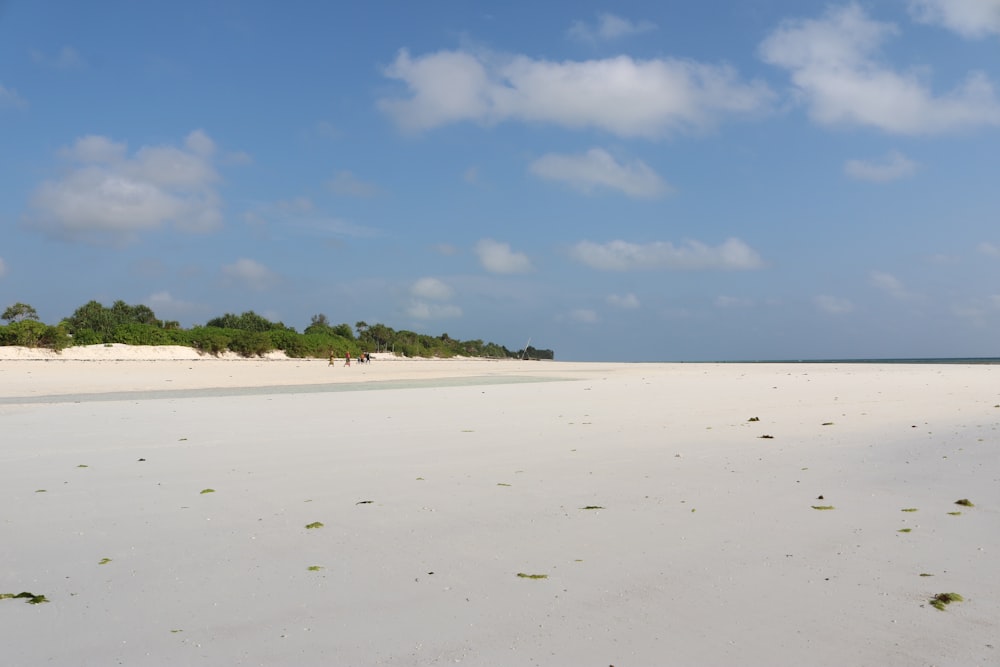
(368, 357)
(347, 358)
(332, 358)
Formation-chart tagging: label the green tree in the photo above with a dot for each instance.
(19, 312)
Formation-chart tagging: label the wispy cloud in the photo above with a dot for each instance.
(834, 305)
(584, 315)
(107, 194)
(733, 254)
(608, 27)
(9, 99)
(347, 184)
(599, 170)
(66, 58)
(301, 215)
(498, 257)
(970, 18)
(989, 249)
(624, 301)
(836, 69)
(893, 167)
(889, 284)
(733, 302)
(422, 310)
(620, 95)
(250, 273)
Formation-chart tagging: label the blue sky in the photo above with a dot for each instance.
(776, 179)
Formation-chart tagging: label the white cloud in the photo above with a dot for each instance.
(10, 99)
(584, 315)
(621, 95)
(834, 305)
(108, 195)
(889, 284)
(835, 69)
(969, 18)
(607, 28)
(431, 288)
(892, 167)
(347, 184)
(625, 301)
(597, 169)
(989, 249)
(250, 273)
(422, 310)
(497, 257)
(733, 254)
(66, 58)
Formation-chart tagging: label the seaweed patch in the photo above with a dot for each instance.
(942, 600)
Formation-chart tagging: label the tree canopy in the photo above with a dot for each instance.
(248, 334)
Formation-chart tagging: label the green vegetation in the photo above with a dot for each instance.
(313, 525)
(822, 507)
(942, 600)
(954, 514)
(203, 491)
(532, 576)
(30, 598)
(909, 509)
(904, 530)
(315, 568)
(965, 502)
(247, 334)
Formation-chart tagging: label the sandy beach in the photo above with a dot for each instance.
(175, 509)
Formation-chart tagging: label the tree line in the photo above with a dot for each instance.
(247, 334)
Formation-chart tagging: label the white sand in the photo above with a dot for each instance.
(706, 552)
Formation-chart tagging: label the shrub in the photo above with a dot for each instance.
(251, 343)
(210, 339)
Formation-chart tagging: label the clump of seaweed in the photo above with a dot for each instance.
(30, 598)
(964, 502)
(766, 437)
(822, 507)
(954, 513)
(315, 568)
(204, 491)
(754, 419)
(904, 530)
(909, 509)
(925, 574)
(532, 576)
(314, 524)
(104, 561)
(592, 507)
(827, 424)
(942, 600)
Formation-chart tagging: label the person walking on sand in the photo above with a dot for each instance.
(347, 358)
(332, 357)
